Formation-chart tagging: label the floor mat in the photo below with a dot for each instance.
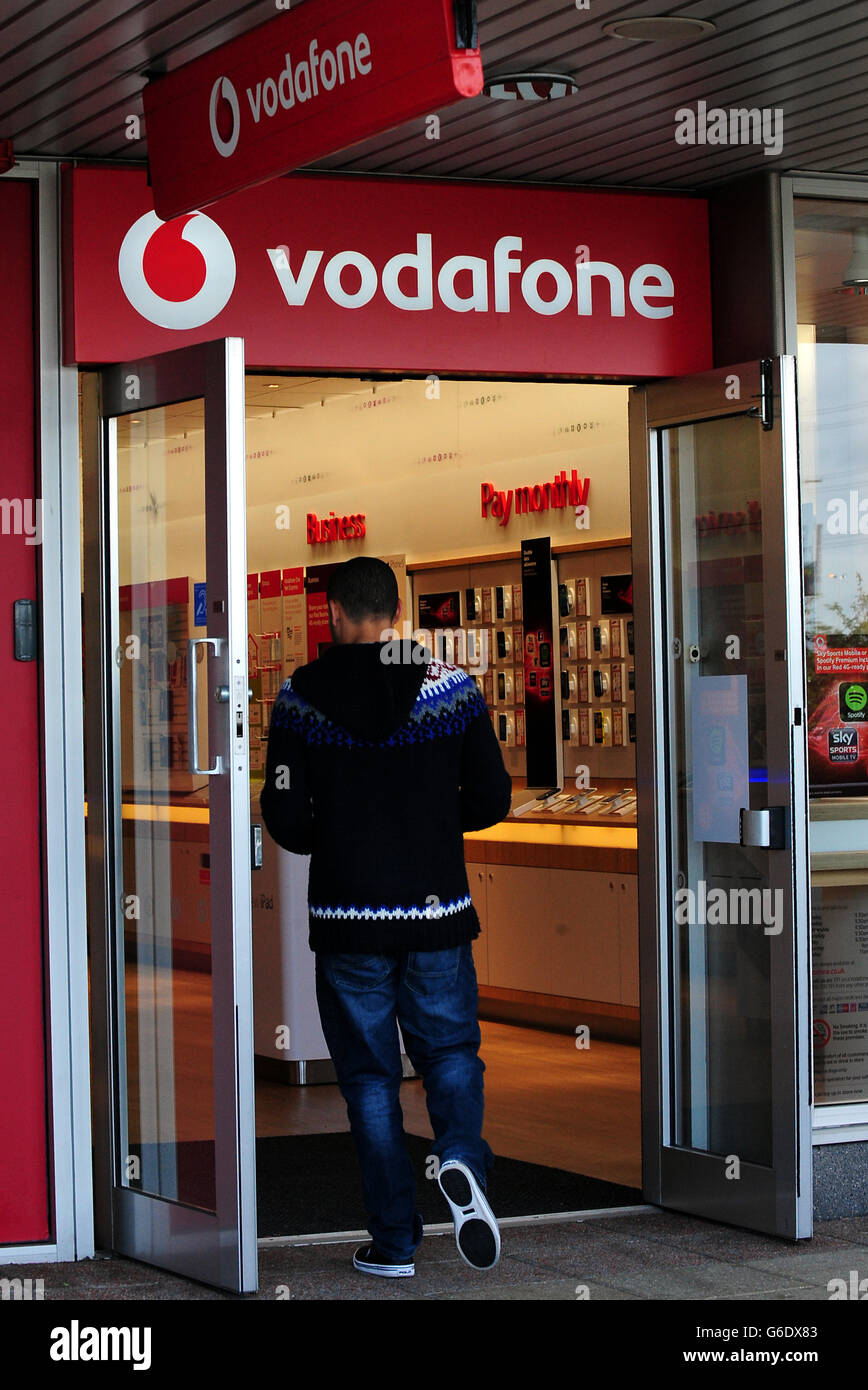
(307, 1183)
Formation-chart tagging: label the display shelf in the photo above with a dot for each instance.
(605, 786)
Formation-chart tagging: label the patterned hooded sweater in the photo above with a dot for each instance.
(375, 768)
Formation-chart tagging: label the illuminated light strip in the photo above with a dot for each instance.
(595, 837)
(182, 815)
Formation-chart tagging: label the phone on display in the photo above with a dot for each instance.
(545, 653)
(501, 642)
(630, 636)
(563, 600)
(501, 685)
(531, 680)
(598, 640)
(565, 685)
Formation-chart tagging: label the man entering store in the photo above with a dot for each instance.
(379, 758)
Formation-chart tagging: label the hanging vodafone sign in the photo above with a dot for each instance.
(363, 274)
(314, 80)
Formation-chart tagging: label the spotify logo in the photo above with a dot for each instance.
(852, 701)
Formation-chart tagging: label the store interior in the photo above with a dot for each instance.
(444, 479)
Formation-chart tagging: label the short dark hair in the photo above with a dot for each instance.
(365, 588)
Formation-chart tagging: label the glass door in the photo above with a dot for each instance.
(176, 812)
(723, 863)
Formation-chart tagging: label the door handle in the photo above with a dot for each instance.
(192, 706)
(765, 829)
(256, 846)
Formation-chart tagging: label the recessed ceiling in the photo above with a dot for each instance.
(72, 74)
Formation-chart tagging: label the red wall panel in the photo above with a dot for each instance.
(23, 1128)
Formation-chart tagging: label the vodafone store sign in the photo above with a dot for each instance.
(363, 274)
(305, 83)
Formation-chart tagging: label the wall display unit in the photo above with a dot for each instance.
(591, 660)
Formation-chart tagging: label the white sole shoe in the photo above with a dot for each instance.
(476, 1231)
(366, 1260)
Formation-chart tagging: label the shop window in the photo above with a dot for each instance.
(831, 244)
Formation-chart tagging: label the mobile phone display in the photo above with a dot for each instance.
(545, 653)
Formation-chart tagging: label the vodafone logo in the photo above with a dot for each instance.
(225, 92)
(177, 274)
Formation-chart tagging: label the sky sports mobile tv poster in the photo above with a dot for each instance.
(833, 413)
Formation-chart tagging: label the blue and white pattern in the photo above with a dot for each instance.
(393, 914)
(447, 702)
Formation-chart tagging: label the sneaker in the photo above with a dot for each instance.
(476, 1231)
(370, 1260)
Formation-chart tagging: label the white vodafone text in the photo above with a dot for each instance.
(546, 286)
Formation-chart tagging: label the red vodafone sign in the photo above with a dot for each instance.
(357, 274)
(314, 80)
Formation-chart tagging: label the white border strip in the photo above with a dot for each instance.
(443, 1228)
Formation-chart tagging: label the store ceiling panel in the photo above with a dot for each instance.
(72, 74)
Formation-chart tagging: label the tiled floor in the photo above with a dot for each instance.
(643, 1256)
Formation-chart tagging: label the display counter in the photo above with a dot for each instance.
(555, 893)
(557, 901)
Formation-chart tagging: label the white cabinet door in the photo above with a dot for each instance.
(586, 949)
(520, 936)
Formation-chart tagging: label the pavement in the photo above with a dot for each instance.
(640, 1255)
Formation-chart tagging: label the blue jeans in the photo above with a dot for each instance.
(433, 995)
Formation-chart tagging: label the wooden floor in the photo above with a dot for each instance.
(546, 1101)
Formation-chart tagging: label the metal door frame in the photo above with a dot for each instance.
(678, 1177)
(187, 1240)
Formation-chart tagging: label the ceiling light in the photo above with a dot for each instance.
(658, 29)
(530, 86)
